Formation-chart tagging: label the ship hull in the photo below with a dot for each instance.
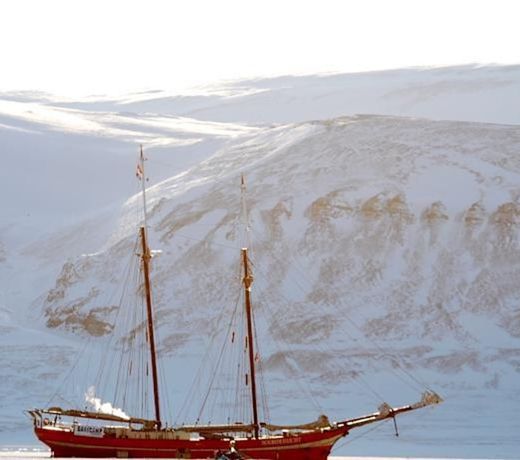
(315, 445)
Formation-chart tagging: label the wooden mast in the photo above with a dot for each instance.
(146, 257)
(248, 281)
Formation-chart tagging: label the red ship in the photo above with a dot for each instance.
(81, 433)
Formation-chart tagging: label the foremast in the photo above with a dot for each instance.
(145, 258)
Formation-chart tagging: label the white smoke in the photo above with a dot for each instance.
(104, 408)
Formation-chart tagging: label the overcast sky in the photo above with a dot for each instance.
(76, 47)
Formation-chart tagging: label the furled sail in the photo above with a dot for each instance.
(321, 422)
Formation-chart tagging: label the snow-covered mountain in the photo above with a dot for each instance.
(469, 93)
(382, 245)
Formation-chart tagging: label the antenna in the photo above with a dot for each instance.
(245, 214)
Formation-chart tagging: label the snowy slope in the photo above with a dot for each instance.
(376, 240)
(406, 228)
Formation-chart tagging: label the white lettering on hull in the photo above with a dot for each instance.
(89, 431)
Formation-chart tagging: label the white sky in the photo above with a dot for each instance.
(76, 47)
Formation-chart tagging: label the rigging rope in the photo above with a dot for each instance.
(188, 401)
(349, 440)
(321, 348)
(422, 385)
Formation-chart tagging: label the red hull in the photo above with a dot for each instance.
(315, 445)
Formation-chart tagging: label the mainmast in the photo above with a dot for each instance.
(146, 257)
(248, 281)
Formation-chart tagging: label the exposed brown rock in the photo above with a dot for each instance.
(67, 277)
(372, 208)
(506, 216)
(330, 206)
(397, 208)
(90, 322)
(72, 317)
(436, 212)
(475, 215)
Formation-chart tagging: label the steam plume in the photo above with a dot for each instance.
(105, 408)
